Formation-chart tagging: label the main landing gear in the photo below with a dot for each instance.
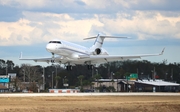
(69, 67)
(90, 67)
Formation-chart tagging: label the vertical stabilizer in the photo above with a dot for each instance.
(96, 47)
(99, 41)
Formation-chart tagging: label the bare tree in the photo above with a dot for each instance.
(57, 80)
(32, 74)
(26, 71)
(81, 77)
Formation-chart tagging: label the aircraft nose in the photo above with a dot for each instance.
(50, 48)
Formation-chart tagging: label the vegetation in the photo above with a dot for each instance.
(80, 76)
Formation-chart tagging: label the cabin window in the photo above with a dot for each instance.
(58, 42)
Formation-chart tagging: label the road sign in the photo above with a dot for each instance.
(4, 80)
(132, 77)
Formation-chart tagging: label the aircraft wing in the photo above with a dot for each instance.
(110, 58)
(43, 59)
(93, 59)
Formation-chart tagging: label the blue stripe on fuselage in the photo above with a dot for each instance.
(76, 51)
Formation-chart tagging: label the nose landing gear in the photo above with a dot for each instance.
(52, 60)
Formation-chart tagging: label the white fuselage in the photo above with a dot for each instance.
(68, 49)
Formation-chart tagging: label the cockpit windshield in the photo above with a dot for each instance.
(58, 42)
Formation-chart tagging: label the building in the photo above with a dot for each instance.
(125, 85)
(156, 86)
(3, 89)
(107, 85)
(4, 83)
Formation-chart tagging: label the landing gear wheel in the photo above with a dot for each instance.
(90, 67)
(52, 60)
(69, 67)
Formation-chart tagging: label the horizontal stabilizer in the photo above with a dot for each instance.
(103, 37)
(100, 39)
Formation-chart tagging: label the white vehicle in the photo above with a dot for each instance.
(74, 54)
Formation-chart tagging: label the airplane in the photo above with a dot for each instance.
(71, 54)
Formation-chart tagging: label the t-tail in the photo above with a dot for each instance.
(96, 48)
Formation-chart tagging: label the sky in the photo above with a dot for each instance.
(27, 26)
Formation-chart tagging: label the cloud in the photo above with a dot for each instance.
(163, 5)
(31, 22)
(142, 25)
(28, 4)
(79, 2)
(44, 27)
(87, 6)
(41, 27)
(9, 14)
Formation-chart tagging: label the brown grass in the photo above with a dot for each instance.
(91, 104)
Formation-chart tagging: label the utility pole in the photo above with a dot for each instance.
(56, 76)
(24, 75)
(154, 73)
(138, 73)
(7, 69)
(43, 78)
(92, 71)
(172, 74)
(52, 78)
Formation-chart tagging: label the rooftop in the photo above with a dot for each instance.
(157, 82)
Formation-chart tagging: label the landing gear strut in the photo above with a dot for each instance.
(90, 67)
(52, 60)
(69, 67)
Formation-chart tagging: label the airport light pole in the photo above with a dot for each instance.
(7, 69)
(52, 78)
(153, 73)
(166, 74)
(112, 74)
(64, 82)
(172, 74)
(24, 75)
(56, 66)
(142, 75)
(92, 71)
(43, 75)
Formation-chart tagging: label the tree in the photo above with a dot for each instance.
(117, 75)
(10, 64)
(2, 66)
(31, 73)
(33, 87)
(97, 77)
(57, 78)
(81, 77)
(15, 83)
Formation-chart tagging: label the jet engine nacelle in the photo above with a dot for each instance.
(97, 51)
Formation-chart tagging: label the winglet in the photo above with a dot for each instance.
(162, 51)
(20, 57)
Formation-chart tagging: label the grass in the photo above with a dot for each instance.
(91, 104)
